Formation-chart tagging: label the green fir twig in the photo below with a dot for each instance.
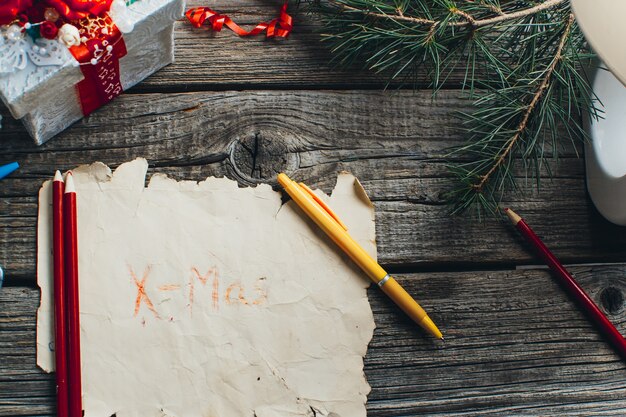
(522, 62)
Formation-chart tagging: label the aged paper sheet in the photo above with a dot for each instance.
(205, 299)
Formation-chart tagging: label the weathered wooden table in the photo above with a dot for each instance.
(248, 108)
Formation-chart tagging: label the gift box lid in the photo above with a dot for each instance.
(35, 70)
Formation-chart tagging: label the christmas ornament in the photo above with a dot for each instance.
(69, 35)
(11, 9)
(79, 9)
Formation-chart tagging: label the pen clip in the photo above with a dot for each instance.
(323, 205)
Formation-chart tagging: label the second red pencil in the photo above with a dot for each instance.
(71, 281)
(60, 300)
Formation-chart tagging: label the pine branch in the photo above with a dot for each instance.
(529, 110)
(539, 108)
(521, 64)
(469, 20)
(503, 17)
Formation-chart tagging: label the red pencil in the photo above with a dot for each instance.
(572, 287)
(71, 281)
(60, 323)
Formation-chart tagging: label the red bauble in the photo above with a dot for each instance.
(10, 9)
(78, 9)
(48, 30)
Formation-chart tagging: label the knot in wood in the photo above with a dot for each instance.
(612, 300)
(257, 158)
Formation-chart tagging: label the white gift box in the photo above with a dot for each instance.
(41, 88)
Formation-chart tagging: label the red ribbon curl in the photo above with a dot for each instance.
(280, 27)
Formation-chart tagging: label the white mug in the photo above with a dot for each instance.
(605, 152)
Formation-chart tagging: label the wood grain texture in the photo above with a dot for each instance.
(395, 142)
(210, 61)
(515, 345)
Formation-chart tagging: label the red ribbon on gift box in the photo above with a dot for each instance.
(280, 27)
(99, 60)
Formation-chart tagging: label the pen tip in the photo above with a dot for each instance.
(58, 176)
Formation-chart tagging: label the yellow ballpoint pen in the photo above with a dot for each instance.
(323, 216)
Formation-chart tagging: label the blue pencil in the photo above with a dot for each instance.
(8, 168)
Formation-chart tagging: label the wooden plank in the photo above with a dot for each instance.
(206, 61)
(209, 61)
(515, 345)
(398, 155)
